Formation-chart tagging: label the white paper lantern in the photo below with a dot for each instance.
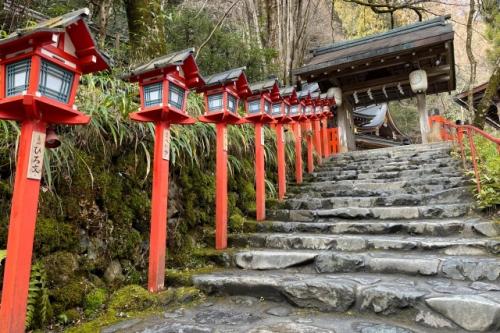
(336, 93)
(418, 81)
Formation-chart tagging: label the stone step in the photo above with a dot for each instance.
(443, 227)
(388, 154)
(383, 213)
(363, 242)
(393, 176)
(417, 185)
(472, 268)
(380, 159)
(392, 166)
(382, 163)
(436, 171)
(440, 303)
(455, 195)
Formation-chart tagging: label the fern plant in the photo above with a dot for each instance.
(39, 307)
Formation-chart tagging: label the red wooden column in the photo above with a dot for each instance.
(280, 142)
(260, 185)
(159, 202)
(324, 137)
(22, 226)
(298, 152)
(317, 138)
(309, 141)
(221, 187)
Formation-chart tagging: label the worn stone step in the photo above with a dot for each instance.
(380, 159)
(392, 166)
(455, 195)
(383, 213)
(443, 227)
(473, 268)
(422, 184)
(363, 242)
(387, 174)
(397, 152)
(394, 176)
(431, 301)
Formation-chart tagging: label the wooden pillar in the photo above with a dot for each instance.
(158, 232)
(221, 187)
(298, 152)
(260, 184)
(347, 140)
(424, 118)
(22, 226)
(280, 141)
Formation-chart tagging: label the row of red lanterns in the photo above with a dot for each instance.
(40, 70)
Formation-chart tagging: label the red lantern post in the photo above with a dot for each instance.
(222, 93)
(258, 109)
(294, 112)
(163, 86)
(316, 123)
(40, 71)
(327, 102)
(307, 113)
(280, 110)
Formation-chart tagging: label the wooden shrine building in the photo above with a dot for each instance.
(376, 69)
(493, 113)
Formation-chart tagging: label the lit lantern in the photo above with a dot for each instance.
(164, 83)
(222, 93)
(258, 111)
(40, 69)
(293, 110)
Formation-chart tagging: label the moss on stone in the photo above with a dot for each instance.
(131, 298)
(94, 301)
(236, 223)
(70, 295)
(184, 278)
(52, 235)
(61, 268)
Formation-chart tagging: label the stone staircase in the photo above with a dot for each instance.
(387, 231)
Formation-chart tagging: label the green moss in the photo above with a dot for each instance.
(236, 223)
(70, 295)
(52, 235)
(131, 298)
(60, 267)
(184, 278)
(94, 301)
(69, 316)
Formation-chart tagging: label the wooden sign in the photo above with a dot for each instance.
(225, 139)
(261, 136)
(166, 144)
(37, 150)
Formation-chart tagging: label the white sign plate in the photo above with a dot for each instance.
(225, 139)
(261, 136)
(166, 144)
(37, 150)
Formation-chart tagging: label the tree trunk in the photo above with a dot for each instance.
(470, 55)
(491, 90)
(139, 18)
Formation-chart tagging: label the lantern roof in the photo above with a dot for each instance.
(183, 59)
(290, 93)
(270, 86)
(303, 94)
(315, 95)
(323, 96)
(74, 25)
(234, 76)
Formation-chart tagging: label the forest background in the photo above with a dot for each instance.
(92, 231)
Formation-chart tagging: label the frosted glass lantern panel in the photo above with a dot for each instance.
(153, 94)
(176, 95)
(231, 103)
(276, 109)
(18, 76)
(55, 81)
(254, 106)
(215, 103)
(294, 109)
(267, 107)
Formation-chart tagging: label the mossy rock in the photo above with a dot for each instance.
(61, 267)
(52, 235)
(184, 278)
(70, 295)
(236, 223)
(69, 316)
(187, 295)
(131, 298)
(94, 301)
